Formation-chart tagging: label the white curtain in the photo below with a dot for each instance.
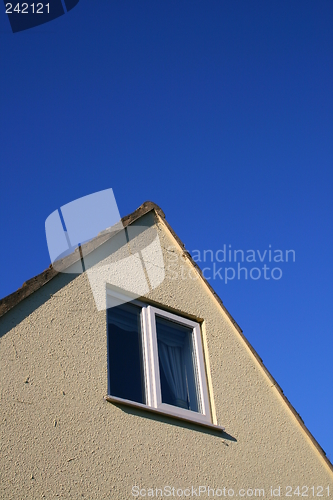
(175, 354)
(125, 318)
(174, 371)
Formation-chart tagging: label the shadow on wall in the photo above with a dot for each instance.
(28, 305)
(179, 423)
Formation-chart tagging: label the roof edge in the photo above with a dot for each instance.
(254, 352)
(32, 285)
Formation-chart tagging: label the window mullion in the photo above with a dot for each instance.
(155, 372)
(146, 356)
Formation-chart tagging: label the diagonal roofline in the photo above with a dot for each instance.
(34, 284)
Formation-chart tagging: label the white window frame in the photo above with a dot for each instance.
(153, 385)
(151, 370)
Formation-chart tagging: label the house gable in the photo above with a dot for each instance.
(60, 436)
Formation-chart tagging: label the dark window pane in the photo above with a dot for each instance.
(125, 354)
(177, 363)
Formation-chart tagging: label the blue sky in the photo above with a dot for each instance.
(221, 113)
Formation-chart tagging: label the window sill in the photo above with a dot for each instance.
(114, 399)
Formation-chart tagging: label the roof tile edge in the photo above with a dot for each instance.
(33, 284)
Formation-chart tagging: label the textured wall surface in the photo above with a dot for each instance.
(60, 438)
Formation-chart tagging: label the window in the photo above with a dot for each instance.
(155, 360)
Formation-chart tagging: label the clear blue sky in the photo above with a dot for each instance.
(221, 113)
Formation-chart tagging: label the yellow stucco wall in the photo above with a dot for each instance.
(59, 437)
